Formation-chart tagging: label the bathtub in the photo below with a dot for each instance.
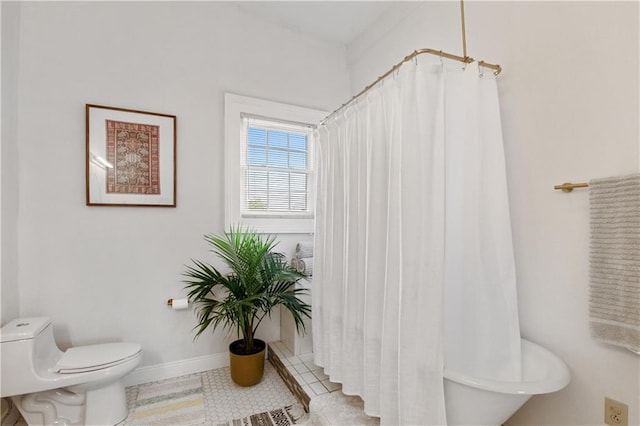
(477, 401)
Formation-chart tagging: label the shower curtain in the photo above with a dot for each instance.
(414, 268)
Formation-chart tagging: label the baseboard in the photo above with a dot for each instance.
(153, 373)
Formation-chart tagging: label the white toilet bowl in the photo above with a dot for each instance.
(79, 386)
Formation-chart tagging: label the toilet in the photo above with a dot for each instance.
(81, 386)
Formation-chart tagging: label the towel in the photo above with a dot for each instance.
(614, 261)
(304, 249)
(305, 265)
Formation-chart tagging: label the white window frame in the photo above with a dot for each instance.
(236, 107)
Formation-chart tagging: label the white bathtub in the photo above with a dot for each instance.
(477, 401)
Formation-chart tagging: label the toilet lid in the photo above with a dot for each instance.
(93, 357)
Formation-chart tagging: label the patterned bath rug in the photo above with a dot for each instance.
(177, 401)
(285, 416)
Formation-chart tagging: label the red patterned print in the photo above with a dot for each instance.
(134, 151)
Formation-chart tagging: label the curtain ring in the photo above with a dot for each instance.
(481, 68)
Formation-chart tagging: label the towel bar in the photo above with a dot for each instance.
(568, 186)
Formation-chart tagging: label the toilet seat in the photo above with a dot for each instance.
(82, 359)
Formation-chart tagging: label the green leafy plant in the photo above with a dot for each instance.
(259, 279)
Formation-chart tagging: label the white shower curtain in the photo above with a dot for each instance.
(414, 268)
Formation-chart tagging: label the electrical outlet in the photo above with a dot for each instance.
(615, 413)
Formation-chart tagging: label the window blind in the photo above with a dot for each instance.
(276, 167)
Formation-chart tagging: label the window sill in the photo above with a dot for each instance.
(278, 225)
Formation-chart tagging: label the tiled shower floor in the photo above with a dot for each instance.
(309, 376)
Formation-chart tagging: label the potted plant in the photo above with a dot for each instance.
(259, 280)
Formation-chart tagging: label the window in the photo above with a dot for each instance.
(275, 165)
(269, 165)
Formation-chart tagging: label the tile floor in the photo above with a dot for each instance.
(310, 376)
(224, 400)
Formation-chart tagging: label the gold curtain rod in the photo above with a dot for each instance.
(464, 30)
(568, 186)
(465, 59)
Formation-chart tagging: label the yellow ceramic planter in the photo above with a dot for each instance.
(247, 370)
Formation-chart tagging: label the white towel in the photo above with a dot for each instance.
(305, 265)
(304, 249)
(294, 263)
(614, 269)
(302, 265)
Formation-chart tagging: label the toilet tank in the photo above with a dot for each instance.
(28, 350)
(23, 329)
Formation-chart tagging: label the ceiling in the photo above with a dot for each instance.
(333, 21)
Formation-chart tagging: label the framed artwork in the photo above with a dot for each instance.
(131, 157)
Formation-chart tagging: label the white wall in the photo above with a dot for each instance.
(104, 273)
(569, 94)
(9, 160)
(569, 99)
